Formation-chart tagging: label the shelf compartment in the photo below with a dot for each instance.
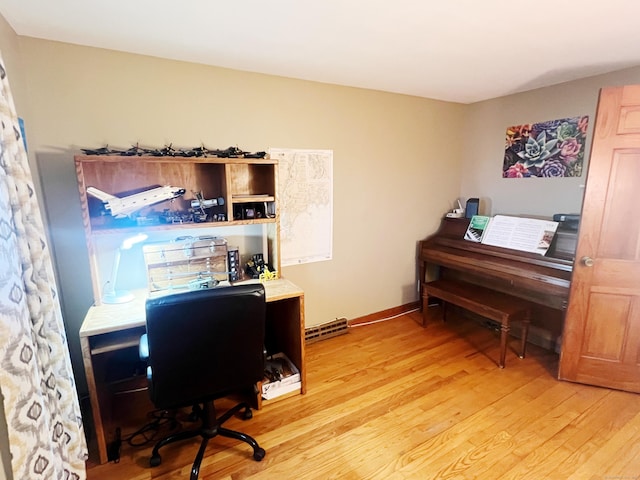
(252, 198)
(251, 179)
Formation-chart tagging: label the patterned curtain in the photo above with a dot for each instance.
(46, 437)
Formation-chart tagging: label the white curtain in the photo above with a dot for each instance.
(46, 438)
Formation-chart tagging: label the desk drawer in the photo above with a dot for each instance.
(112, 341)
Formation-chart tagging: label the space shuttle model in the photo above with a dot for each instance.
(120, 207)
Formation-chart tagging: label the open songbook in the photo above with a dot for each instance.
(518, 233)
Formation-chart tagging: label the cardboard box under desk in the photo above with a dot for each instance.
(185, 264)
(289, 380)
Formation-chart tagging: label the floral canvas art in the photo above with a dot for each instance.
(547, 149)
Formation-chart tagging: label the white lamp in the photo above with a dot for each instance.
(111, 295)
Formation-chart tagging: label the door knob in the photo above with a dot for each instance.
(587, 261)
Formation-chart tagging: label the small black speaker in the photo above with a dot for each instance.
(472, 207)
(233, 257)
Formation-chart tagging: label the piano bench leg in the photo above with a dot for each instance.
(504, 334)
(423, 320)
(525, 331)
(425, 310)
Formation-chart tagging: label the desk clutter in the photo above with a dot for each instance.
(169, 151)
(200, 198)
(142, 187)
(188, 263)
(281, 376)
(194, 263)
(110, 340)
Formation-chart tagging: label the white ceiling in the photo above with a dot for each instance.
(456, 50)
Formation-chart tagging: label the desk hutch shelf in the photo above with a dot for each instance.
(246, 186)
(245, 207)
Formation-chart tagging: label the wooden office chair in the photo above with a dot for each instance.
(203, 345)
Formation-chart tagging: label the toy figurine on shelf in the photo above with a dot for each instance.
(258, 269)
(267, 275)
(170, 151)
(120, 207)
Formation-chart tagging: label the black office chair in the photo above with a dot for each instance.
(203, 345)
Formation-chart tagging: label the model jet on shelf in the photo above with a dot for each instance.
(202, 203)
(120, 207)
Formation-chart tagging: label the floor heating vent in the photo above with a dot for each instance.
(327, 330)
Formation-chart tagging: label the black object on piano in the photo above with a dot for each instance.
(567, 221)
(472, 207)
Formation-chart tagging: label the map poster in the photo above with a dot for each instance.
(305, 201)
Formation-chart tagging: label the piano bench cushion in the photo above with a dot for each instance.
(483, 301)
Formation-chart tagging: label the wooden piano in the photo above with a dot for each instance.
(543, 280)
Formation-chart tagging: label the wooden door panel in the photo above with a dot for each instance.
(617, 276)
(594, 372)
(610, 350)
(629, 96)
(605, 339)
(619, 236)
(632, 352)
(629, 119)
(601, 338)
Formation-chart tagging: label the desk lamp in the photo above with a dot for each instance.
(111, 295)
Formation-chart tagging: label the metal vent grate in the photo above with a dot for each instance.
(337, 327)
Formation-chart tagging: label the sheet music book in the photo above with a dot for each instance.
(518, 233)
(477, 226)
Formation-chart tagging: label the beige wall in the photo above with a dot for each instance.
(399, 162)
(10, 48)
(396, 159)
(484, 146)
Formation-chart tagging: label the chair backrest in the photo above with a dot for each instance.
(205, 343)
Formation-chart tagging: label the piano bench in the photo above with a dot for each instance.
(491, 304)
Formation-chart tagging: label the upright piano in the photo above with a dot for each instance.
(541, 279)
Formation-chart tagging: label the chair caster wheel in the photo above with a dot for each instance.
(155, 460)
(258, 454)
(248, 414)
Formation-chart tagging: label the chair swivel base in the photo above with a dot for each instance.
(210, 428)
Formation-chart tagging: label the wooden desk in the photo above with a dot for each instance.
(109, 336)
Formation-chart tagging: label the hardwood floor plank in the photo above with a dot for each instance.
(472, 413)
(577, 442)
(619, 456)
(392, 400)
(534, 435)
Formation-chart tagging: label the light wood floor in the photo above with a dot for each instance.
(394, 401)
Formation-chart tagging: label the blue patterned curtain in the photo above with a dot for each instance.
(45, 432)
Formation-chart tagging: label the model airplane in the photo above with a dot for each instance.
(202, 203)
(120, 207)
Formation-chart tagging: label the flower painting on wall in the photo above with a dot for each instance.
(548, 149)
